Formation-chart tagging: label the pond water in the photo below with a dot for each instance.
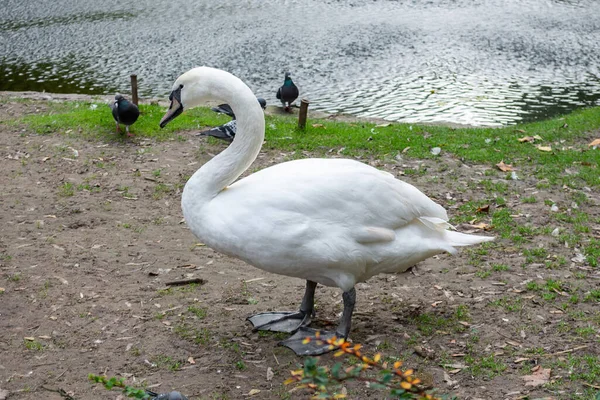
(480, 62)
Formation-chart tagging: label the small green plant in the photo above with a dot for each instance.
(197, 311)
(67, 189)
(33, 345)
(16, 277)
(325, 382)
(240, 365)
(110, 383)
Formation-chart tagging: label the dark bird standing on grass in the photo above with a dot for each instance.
(124, 112)
(227, 131)
(287, 93)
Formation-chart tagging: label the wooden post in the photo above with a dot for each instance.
(134, 94)
(302, 114)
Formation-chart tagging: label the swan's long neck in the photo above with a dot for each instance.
(226, 167)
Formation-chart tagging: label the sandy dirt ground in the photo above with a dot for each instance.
(92, 232)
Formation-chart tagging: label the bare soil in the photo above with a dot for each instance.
(91, 233)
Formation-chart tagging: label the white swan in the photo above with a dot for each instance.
(330, 221)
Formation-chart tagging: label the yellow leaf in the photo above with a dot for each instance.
(288, 381)
(338, 353)
(377, 357)
(526, 139)
(595, 142)
(339, 396)
(504, 167)
(544, 148)
(306, 340)
(397, 364)
(253, 392)
(408, 372)
(481, 225)
(405, 385)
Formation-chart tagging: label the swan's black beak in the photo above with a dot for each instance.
(175, 108)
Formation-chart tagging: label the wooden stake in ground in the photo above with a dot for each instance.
(134, 90)
(302, 114)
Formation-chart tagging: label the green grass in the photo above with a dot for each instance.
(197, 311)
(33, 345)
(354, 139)
(166, 362)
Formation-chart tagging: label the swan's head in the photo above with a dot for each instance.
(189, 90)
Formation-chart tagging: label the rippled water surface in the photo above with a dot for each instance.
(486, 62)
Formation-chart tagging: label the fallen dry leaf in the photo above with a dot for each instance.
(504, 167)
(481, 225)
(253, 392)
(449, 380)
(484, 209)
(270, 373)
(526, 139)
(318, 126)
(191, 360)
(595, 142)
(544, 148)
(538, 378)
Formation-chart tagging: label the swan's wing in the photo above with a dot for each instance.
(339, 192)
(336, 222)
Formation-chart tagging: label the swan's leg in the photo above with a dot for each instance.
(118, 127)
(127, 130)
(287, 321)
(313, 347)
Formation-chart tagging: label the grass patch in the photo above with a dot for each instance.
(67, 189)
(360, 138)
(198, 336)
(166, 362)
(33, 345)
(487, 366)
(197, 311)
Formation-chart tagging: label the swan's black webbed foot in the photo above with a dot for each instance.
(287, 321)
(284, 321)
(306, 342)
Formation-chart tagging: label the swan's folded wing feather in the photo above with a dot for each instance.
(334, 192)
(373, 234)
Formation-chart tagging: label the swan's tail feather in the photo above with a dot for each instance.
(462, 239)
(437, 224)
